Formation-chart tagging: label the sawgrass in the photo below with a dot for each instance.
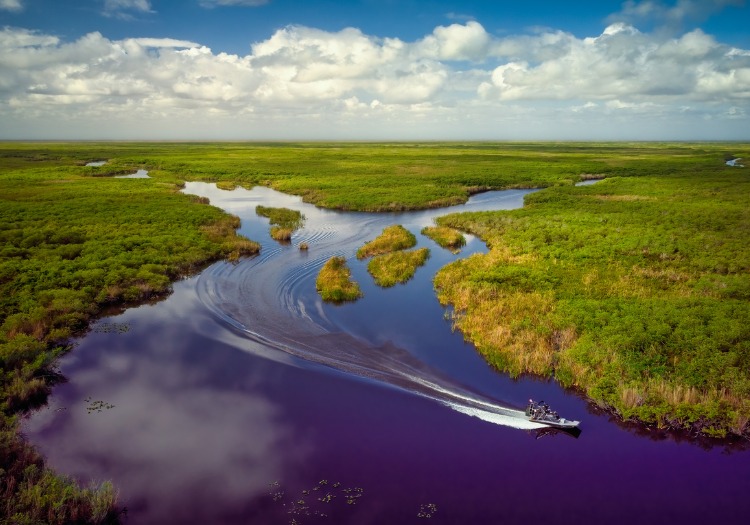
(445, 237)
(334, 283)
(284, 222)
(392, 238)
(633, 290)
(398, 267)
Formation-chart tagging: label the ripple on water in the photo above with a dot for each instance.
(271, 299)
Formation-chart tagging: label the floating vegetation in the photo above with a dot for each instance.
(334, 282)
(427, 510)
(97, 406)
(321, 501)
(398, 267)
(111, 328)
(284, 222)
(392, 239)
(447, 238)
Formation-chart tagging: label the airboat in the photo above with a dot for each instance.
(541, 413)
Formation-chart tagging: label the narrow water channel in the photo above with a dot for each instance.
(243, 398)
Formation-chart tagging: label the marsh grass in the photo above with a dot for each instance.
(284, 222)
(634, 290)
(445, 237)
(398, 267)
(281, 234)
(393, 238)
(334, 282)
(31, 493)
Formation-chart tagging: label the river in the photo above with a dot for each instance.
(243, 398)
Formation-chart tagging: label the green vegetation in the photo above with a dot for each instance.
(391, 264)
(397, 267)
(446, 237)
(370, 177)
(635, 290)
(334, 282)
(392, 238)
(284, 222)
(71, 244)
(33, 494)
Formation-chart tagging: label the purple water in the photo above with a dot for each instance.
(242, 398)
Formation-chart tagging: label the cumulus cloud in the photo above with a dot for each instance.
(456, 42)
(11, 5)
(621, 64)
(458, 77)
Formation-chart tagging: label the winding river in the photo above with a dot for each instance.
(243, 398)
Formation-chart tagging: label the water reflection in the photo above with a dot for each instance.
(140, 174)
(178, 421)
(272, 299)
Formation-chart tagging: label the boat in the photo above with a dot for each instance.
(541, 413)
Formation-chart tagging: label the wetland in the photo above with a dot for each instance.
(243, 396)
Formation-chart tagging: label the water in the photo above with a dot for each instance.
(140, 174)
(242, 398)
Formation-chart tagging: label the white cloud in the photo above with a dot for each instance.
(622, 64)
(456, 80)
(456, 42)
(11, 5)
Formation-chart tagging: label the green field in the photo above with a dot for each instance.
(634, 290)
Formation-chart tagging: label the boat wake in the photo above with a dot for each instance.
(271, 298)
(299, 334)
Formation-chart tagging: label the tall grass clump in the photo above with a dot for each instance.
(284, 222)
(398, 267)
(392, 238)
(334, 282)
(31, 493)
(445, 237)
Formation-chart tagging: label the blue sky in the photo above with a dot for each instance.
(375, 69)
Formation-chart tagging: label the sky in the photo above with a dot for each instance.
(374, 70)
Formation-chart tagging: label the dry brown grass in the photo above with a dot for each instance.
(281, 234)
(334, 282)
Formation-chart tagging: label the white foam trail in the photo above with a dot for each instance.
(263, 299)
(498, 419)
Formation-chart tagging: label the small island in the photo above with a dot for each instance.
(284, 222)
(334, 283)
